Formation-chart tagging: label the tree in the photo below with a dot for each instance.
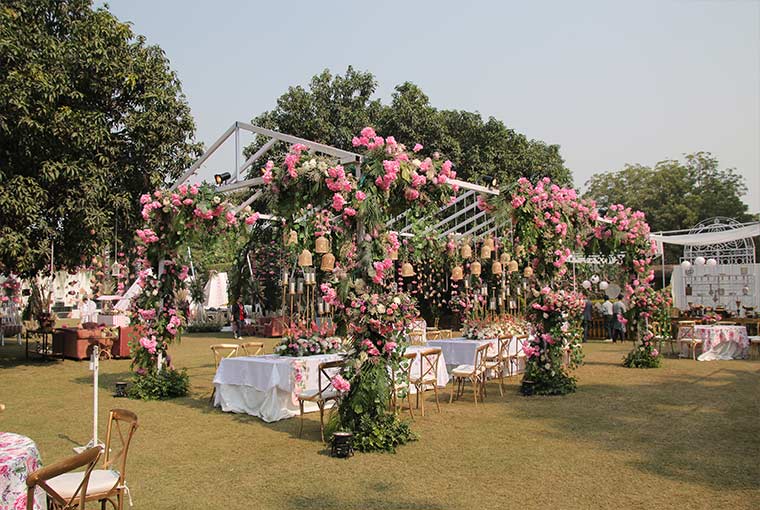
(674, 194)
(91, 117)
(335, 108)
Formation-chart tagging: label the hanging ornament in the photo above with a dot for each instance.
(328, 262)
(504, 259)
(304, 259)
(586, 284)
(475, 268)
(457, 273)
(466, 251)
(496, 268)
(603, 285)
(490, 243)
(528, 272)
(290, 238)
(322, 245)
(393, 254)
(407, 270)
(485, 251)
(595, 279)
(512, 266)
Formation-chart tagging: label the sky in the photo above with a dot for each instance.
(610, 82)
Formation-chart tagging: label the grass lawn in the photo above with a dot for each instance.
(683, 436)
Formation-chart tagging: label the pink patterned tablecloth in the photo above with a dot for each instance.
(19, 457)
(719, 342)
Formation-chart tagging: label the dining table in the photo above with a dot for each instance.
(419, 366)
(268, 386)
(722, 342)
(19, 457)
(461, 351)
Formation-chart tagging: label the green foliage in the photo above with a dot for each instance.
(544, 382)
(160, 386)
(91, 117)
(674, 194)
(334, 108)
(641, 358)
(365, 411)
(204, 327)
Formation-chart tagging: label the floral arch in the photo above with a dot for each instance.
(346, 206)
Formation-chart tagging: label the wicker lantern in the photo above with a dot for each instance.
(490, 243)
(457, 273)
(512, 266)
(466, 251)
(528, 272)
(304, 259)
(407, 270)
(322, 245)
(475, 268)
(496, 268)
(393, 254)
(504, 259)
(485, 251)
(328, 262)
(290, 238)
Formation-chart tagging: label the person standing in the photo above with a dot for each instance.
(618, 328)
(88, 311)
(588, 309)
(238, 316)
(607, 316)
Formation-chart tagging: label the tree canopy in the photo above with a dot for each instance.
(335, 107)
(91, 117)
(674, 194)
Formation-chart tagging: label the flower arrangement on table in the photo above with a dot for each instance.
(711, 318)
(483, 329)
(311, 341)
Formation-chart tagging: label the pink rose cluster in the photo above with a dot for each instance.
(380, 270)
(340, 384)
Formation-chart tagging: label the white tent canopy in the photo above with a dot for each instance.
(705, 238)
(215, 291)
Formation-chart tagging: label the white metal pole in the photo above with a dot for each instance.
(95, 370)
(237, 151)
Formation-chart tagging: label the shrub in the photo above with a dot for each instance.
(642, 358)
(160, 386)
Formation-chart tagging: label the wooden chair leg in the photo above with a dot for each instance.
(409, 401)
(501, 380)
(475, 389)
(453, 389)
(437, 403)
(322, 421)
(421, 397)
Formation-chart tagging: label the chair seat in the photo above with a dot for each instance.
(754, 339)
(315, 396)
(490, 365)
(101, 482)
(424, 380)
(464, 371)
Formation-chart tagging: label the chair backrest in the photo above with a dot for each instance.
(122, 425)
(434, 334)
(504, 343)
(251, 348)
(444, 334)
(435, 323)
(429, 359)
(325, 375)
(481, 354)
(409, 357)
(39, 478)
(687, 327)
(415, 337)
(519, 339)
(222, 351)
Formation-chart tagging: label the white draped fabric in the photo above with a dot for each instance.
(461, 351)
(733, 290)
(267, 386)
(442, 376)
(706, 238)
(215, 291)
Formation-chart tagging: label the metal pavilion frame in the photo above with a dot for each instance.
(460, 217)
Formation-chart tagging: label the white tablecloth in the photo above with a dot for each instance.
(267, 386)
(461, 351)
(722, 342)
(442, 376)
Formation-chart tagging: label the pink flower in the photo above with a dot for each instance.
(338, 202)
(349, 211)
(253, 218)
(340, 384)
(360, 195)
(411, 194)
(417, 147)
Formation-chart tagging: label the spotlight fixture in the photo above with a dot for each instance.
(222, 178)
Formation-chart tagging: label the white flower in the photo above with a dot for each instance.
(397, 300)
(416, 162)
(322, 166)
(216, 200)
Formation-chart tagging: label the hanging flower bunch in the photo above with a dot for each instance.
(11, 290)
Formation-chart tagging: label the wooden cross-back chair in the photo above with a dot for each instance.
(251, 348)
(433, 334)
(403, 385)
(688, 337)
(428, 376)
(497, 364)
(325, 393)
(221, 351)
(518, 357)
(474, 373)
(48, 478)
(416, 336)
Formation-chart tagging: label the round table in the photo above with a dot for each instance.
(19, 457)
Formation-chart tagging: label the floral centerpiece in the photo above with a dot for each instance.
(483, 329)
(711, 318)
(316, 339)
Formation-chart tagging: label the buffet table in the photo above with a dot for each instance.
(19, 458)
(267, 386)
(461, 351)
(722, 342)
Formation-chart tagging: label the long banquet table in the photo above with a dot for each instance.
(19, 457)
(461, 351)
(267, 386)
